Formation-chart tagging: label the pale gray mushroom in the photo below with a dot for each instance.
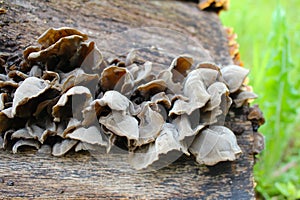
(217, 91)
(6, 137)
(83, 146)
(41, 129)
(141, 73)
(78, 77)
(184, 127)
(23, 142)
(61, 148)
(165, 143)
(243, 97)
(195, 88)
(234, 76)
(90, 135)
(209, 65)
(72, 125)
(120, 124)
(161, 98)
(115, 101)
(21, 134)
(35, 71)
(215, 144)
(84, 98)
(89, 57)
(151, 123)
(112, 100)
(30, 89)
(167, 76)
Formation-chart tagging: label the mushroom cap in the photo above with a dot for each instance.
(151, 123)
(243, 97)
(114, 100)
(116, 78)
(52, 35)
(234, 76)
(61, 148)
(23, 142)
(215, 144)
(27, 95)
(165, 143)
(80, 96)
(151, 88)
(195, 88)
(121, 124)
(21, 134)
(90, 135)
(180, 67)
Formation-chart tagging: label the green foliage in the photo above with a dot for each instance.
(275, 78)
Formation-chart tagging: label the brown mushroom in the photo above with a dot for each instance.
(117, 78)
(7, 120)
(255, 115)
(57, 56)
(52, 35)
(3, 99)
(180, 67)
(149, 89)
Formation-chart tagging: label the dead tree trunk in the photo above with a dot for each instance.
(79, 175)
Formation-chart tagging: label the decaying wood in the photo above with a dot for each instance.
(76, 175)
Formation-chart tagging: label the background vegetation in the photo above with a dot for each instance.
(269, 37)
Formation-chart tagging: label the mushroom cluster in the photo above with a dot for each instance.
(64, 95)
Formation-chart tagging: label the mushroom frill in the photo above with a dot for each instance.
(64, 94)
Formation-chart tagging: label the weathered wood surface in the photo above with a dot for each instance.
(81, 175)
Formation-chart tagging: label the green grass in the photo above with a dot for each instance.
(268, 41)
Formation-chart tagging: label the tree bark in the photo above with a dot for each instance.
(80, 175)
